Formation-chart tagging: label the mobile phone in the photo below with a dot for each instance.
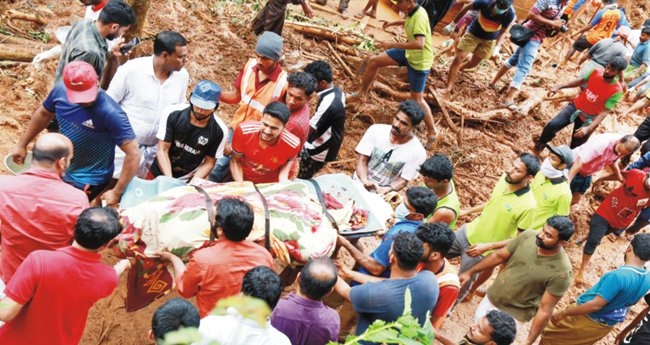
(128, 47)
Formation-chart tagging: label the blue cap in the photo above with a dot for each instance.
(206, 95)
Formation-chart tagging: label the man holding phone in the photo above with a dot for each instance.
(145, 86)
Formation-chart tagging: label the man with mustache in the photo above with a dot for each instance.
(537, 273)
(389, 156)
(495, 328)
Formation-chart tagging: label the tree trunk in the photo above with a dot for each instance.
(140, 7)
(15, 52)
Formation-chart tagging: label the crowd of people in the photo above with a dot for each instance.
(140, 123)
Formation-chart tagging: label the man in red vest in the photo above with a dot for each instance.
(602, 92)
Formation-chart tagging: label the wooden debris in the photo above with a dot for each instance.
(323, 33)
(340, 61)
(14, 40)
(346, 49)
(35, 18)
(441, 104)
(15, 52)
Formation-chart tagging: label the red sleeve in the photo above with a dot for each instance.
(23, 284)
(188, 284)
(237, 83)
(238, 141)
(446, 299)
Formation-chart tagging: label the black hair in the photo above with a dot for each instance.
(422, 199)
(50, 155)
(438, 236)
(96, 226)
(438, 167)
(261, 282)
(609, 1)
(278, 110)
(646, 29)
(641, 246)
(321, 70)
(630, 139)
(166, 41)
(413, 110)
(504, 328)
(235, 217)
(408, 249)
(646, 22)
(531, 162)
(117, 11)
(174, 314)
(304, 81)
(317, 278)
(563, 225)
(618, 63)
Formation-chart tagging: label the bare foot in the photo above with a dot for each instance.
(579, 279)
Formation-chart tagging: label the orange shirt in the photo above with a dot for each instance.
(216, 272)
(605, 21)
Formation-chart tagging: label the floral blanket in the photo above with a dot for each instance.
(177, 220)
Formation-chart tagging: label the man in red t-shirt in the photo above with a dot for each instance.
(49, 296)
(301, 86)
(216, 272)
(602, 93)
(264, 151)
(38, 210)
(616, 212)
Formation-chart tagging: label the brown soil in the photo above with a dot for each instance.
(220, 43)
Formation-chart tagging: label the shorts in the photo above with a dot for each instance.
(478, 46)
(581, 44)
(574, 330)
(580, 184)
(417, 79)
(598, 228)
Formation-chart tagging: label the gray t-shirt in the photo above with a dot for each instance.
(83, 43)
(605, 50)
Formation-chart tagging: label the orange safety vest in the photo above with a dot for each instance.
(253, 102)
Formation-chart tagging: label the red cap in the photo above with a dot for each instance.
(81, 82)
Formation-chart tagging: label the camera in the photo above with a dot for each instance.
(564, 28)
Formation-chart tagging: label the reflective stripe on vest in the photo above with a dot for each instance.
(255, 101)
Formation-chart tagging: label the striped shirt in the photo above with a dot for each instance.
(327, 126)
(549, 9)
(83, 43)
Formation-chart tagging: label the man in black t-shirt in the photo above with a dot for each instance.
(191, 136)
(327, 124)
(638, 331)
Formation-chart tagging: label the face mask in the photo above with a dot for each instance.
(401, 212)
(549, 171)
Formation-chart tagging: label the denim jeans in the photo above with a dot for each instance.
(523, 59)
(221, 170)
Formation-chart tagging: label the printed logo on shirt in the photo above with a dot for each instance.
(591, 97)
(88, 123)
(203, 140)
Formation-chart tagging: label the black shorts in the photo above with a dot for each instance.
(598, 228)
(581, 44)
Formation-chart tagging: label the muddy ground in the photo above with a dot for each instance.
(220, 43)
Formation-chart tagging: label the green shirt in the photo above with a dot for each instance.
(83, 43)
(518, 289)
(417, 24)
(450, 201)
(503, 215)
(553, 197)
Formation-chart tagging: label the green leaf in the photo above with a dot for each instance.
(249, 307)
(187, 216)
(183, 336)
(408, 341)
(168, 216)
(389, 336)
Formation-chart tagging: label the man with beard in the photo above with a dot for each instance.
(145, 86)
(263, 151)
(510, 209)
(495, 328)
(590, 108)
(536, 275)
(616, 213)
(550, 186)
(86, 41)
(389, 155)
(190, 137)
(600, 308)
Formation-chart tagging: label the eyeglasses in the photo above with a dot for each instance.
(386, 156)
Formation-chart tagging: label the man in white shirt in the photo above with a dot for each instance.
(390, 155)
(235, 329)
(145, 86)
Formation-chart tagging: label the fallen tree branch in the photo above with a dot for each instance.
(35, 18)
(323, 33)
(530, 104)
(446, 114)
(15, 52)
(340, 61)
